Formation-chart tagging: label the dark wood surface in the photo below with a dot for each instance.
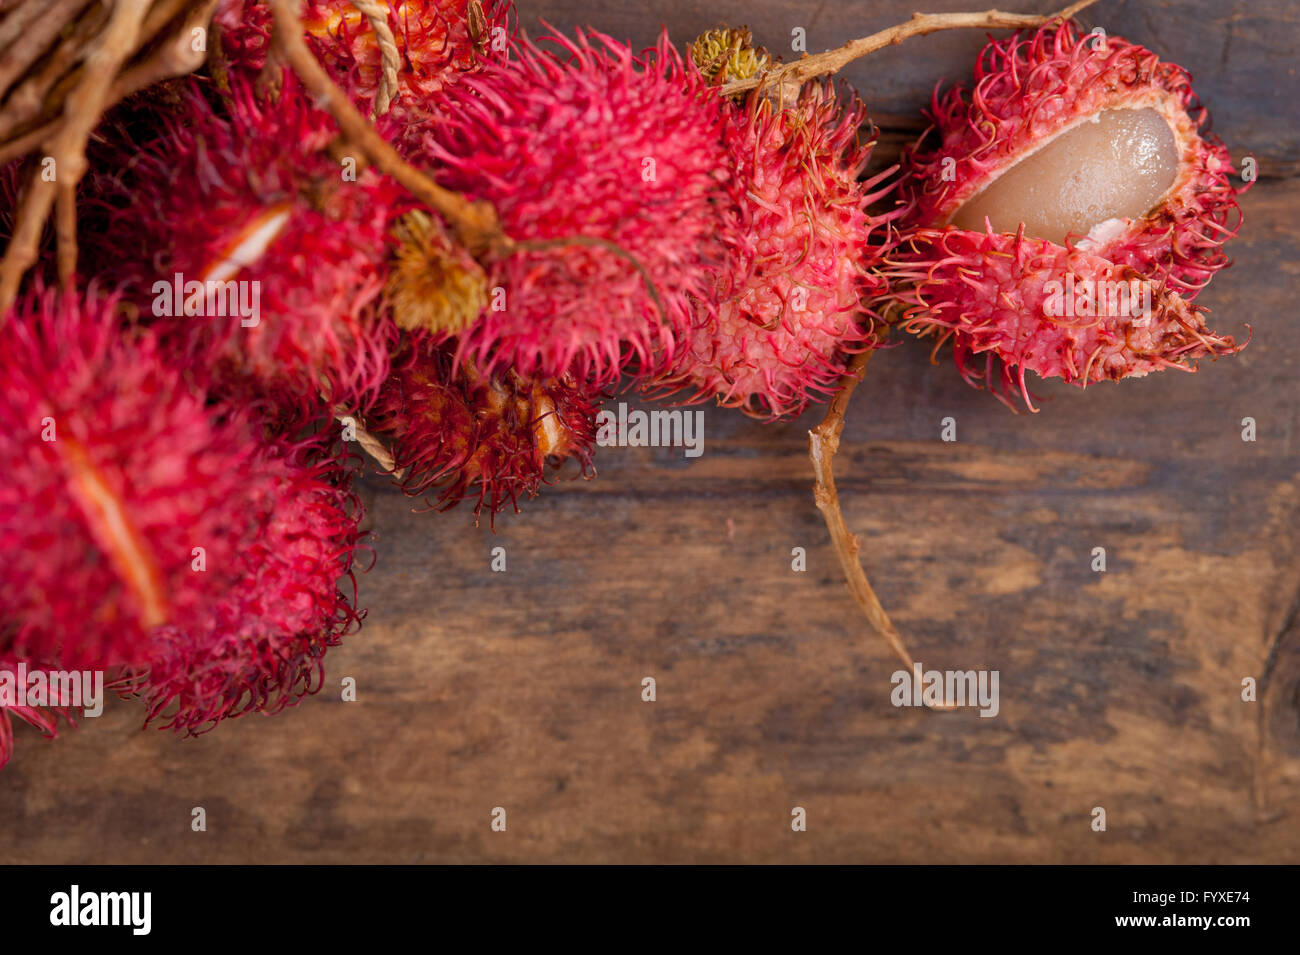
(523, 689)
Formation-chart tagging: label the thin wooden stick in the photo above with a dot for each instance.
(67, 145)
(788, 77)
(475, 223)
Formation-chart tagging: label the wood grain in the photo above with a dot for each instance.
(522, 689)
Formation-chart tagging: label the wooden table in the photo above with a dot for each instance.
(522, 689)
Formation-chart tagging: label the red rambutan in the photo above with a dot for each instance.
(801, 258)
(151, 533)
(604, 168)
(488, 437)
(280, 250)
(1070, 211)
(126, 505)
(261, 649)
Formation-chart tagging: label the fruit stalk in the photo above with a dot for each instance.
(788, 77)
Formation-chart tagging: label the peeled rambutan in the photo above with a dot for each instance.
(604, 169)
(462, 433)
(802, 255)
(279, 248)
(436, 41)
(126, 502)
(1069, 213)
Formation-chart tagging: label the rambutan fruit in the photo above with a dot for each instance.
(1069, 212)
(152, 533)
(126, 505)
(435, 40)
(604, 168)
(463, 433)
(262, 646)
(802, 250)
(258, 254)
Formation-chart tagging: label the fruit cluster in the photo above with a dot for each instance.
(180, 512)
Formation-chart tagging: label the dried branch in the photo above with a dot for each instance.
(823, 443)
(475, 223)
(788, 77)
(67, 145)
(84, 75)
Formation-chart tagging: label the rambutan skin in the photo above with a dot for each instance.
(153, 534)
(262, 648)
(118, 471)
(255, 199)
(604, 168)
(802, 251)
(987, 292)
(459, 433)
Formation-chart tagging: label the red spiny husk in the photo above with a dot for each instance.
(789, 299)
(437, 40)
(262, 647)
(987, 291)
(605, 168)
(99, 523)
(255, 198)
(490, 438)
(43, 718)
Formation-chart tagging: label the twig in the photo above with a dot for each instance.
(823, 443)
(475, 223)
(67, 145)
(29, 32)
(65, 230)
(788, 77)
(175, 57)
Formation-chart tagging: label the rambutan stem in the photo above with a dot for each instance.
(476, 224)
(788, 77)
(823, 443)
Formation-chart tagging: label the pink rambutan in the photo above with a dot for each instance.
(261, 649)
(125, 507)
(436, 41)
(604, 169)
(802, 254)
(279, 248)
(490, 437)
(1069, 213)
(151, 533)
